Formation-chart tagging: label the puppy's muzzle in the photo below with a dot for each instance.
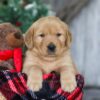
(51, 48)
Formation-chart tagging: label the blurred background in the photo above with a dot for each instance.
(83, 18)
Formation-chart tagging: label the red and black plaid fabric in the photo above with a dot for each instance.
(13, 87)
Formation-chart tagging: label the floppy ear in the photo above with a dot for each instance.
(68, 35)
(68, 39)
(28, 38)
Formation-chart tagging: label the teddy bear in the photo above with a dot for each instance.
(11, 42)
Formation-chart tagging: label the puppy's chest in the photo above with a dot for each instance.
(48, 67)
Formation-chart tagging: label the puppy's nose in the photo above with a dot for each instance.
(51, 47)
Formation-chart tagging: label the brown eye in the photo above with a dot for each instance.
(58, 34)
(42, 35)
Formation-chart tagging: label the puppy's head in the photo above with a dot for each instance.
(48, 36)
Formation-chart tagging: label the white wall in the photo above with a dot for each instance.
(86, 42)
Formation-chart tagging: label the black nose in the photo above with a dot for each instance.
(17, 35)
(51, 47)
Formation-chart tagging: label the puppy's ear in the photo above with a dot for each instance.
(68, 39)
(28, 38)
(68, 35)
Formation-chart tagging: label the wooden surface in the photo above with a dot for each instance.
(86, 42)
(70, 11)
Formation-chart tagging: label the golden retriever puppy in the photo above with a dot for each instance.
(48, 41)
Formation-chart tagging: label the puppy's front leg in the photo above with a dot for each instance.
(35, 79)
(68, 81)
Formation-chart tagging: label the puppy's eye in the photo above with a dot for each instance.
(58, 34)
(42, 35)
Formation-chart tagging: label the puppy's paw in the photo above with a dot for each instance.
(35, 85)
(68, 84)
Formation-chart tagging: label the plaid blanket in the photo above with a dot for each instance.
(13, 87)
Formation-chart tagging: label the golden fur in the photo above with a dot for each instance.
(2, 97)
(38, 61)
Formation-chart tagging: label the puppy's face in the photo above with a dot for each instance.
(49, 37)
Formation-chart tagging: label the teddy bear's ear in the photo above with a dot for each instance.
(28, 38)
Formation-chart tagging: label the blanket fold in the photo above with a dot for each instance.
(13, 87)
